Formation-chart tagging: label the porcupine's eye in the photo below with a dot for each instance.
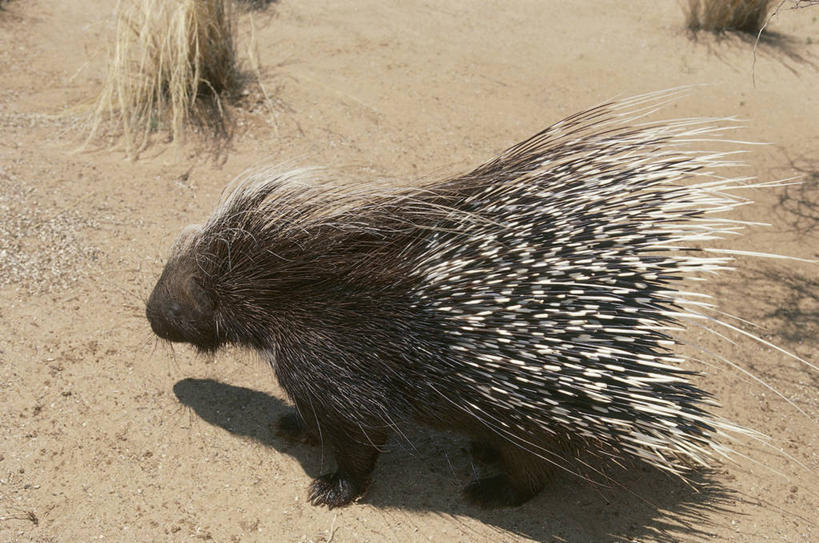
(199, 298)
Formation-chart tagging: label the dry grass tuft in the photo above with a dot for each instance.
(255, 4)
(728, 15)
(173, 64)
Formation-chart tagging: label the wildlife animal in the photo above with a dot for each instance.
(533, 303)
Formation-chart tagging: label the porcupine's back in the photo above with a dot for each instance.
(558, 290)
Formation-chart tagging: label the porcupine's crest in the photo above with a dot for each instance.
(278, 241)
(557, 308)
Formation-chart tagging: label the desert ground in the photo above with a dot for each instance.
(107, 434)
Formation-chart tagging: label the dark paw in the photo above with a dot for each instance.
(496, 491)
(292, 428)
(483, 452)
(333, 490)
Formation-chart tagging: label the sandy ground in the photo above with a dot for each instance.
(106, 434)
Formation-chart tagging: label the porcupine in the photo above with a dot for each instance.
(529, 304)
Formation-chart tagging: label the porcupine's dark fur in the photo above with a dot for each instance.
(527, 303)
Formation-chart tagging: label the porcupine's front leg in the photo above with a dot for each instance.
(355, 451)
(292, 428)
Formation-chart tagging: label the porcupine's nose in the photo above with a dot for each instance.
(163, 315)
(165, 321)
(171, 321)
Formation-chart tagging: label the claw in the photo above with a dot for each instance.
(333, 490)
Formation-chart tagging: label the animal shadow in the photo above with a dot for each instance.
(639, 502)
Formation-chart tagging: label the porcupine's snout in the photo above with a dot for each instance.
(180, 310)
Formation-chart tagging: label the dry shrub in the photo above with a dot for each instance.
(728, 15)
(254, 4)
(173, 64)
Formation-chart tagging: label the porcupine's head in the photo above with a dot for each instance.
(180, 309)
(226, 277)
(280, 250)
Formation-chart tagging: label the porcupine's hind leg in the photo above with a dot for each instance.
(522, 476)
(355, 451)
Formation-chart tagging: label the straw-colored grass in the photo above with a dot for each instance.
(254, 4)
(173, 64)
(728, 15)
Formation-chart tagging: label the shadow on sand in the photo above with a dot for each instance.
(799, 203)
(644, 503)
(790, 52)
